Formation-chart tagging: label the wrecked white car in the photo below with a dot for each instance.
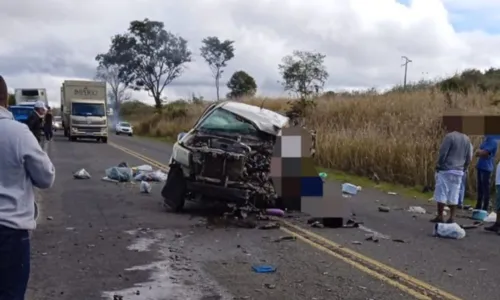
(225, 157)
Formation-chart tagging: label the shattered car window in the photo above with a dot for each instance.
(225, 121)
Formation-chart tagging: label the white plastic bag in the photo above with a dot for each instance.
(81, 174)
(417, 210)
(491, 218)
(159, 176)
(145, 187)
(451, 231)
(144, 168)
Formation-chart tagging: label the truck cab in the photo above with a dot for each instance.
(84, 110)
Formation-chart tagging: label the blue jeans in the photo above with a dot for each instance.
(14, 263)
(483, 189)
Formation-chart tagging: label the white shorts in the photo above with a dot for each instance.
(447, 190)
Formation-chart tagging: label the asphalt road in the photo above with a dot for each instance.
(465, 268)
(99, 239)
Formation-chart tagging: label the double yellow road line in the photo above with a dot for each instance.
(406, 283)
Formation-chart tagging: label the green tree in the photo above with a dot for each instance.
(303, 73)
(12, 99)
(241, 84)
(147, 57)
(217, 54)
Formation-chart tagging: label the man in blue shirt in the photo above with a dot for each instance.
(485, 164)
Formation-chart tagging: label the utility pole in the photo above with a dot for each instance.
(405, 64)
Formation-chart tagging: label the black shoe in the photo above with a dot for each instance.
(493, 228)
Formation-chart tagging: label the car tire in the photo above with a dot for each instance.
(104, 140)
(129, 134)
(72, 138)
(117, 133)
(174, 190)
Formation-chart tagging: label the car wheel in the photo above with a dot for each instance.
(129, 134)
(117, 133)
(104, 140)
(174, 190)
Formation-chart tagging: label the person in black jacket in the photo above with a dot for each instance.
(35, 120)
(47, 125)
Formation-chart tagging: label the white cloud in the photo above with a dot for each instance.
(52, 40)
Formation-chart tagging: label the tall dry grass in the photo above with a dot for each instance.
(395, 135)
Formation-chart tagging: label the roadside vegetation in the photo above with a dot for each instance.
(390, 136)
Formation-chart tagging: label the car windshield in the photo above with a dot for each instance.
(57, 118)
(88, 109)
(124, 124)
(224, 121)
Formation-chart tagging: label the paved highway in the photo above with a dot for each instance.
(100, 239)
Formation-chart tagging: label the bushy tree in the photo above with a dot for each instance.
(241, 84)
(217, 54)
(303, 73)
(147, 57)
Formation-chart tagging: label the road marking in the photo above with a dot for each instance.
(406, 283)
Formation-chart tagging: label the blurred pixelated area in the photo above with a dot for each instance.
(293, 172)
(472, 124)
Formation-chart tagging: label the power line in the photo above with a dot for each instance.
(405, 64)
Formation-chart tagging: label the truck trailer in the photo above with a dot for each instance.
(28, 96)
(84, 110)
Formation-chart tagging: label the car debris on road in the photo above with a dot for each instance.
(124, 173)
(81, 174)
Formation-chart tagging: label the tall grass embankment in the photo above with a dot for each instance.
(395, 136)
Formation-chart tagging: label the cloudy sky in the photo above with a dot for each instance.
(46, 42)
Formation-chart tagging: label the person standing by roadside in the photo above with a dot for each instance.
(47, 125)
(495, 227)
(453, 160)
(35, 120)
(23, 165)
(464, 181)
(484, 167)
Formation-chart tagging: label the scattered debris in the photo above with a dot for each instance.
(178, 234)
(349, 189)
(117, 297)
(399, 241)
(50, 218)
(106, 178)
(145, 187)
(123, 173)
(383, 208)
(417, 210)
(392, 193)
(452, 231)
(356, 243)
(275, 212)
(270, 225)
(317, 224)
(264, 269)
(81, 174)
(285, 238)
(270, 286)
(372, 238)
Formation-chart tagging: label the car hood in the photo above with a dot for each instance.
(266, 120)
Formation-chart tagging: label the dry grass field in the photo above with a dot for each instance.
(395, 135)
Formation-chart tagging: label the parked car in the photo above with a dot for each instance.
(125, 128)
(57, 123)
(226, 157)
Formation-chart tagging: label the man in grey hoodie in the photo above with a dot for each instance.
(24, 165)
(455, 155)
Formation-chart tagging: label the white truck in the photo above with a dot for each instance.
(28, 96)
(84, 110)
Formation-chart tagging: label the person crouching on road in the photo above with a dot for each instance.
(23, 165)
(47, 125)
(453, 160)
(496, 226)
(35, 120)
(485, 164)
